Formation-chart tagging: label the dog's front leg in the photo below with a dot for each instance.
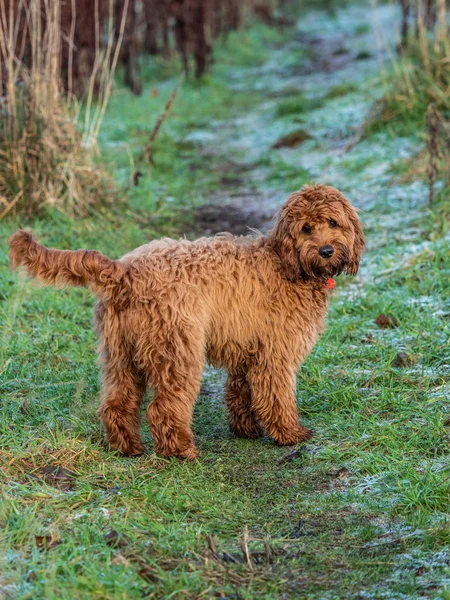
(273, 396)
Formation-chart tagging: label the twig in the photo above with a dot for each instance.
(433, 124)
(245, 549)
(268, 550)
(147, 152)
(11, 204)
(212, 546)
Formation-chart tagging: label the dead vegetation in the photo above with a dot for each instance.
(47, 144)
(438, 149)
(419, 73)
(417, 91)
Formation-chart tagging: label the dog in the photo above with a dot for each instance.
(254, 305)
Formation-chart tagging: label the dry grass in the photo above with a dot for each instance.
(420, 73)
(47, 151)
(438, 149)
(417, 97)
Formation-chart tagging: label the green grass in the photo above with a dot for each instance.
(360, 512)
(342, 89)
(297, 105)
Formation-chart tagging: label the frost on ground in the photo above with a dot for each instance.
(361, 511)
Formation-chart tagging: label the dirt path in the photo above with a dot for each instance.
(330, 63)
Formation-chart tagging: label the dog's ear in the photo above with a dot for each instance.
(284, 245)
(290, 264)
(358, 242)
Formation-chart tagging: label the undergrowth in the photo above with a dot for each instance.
(416, 101)
(49, 157)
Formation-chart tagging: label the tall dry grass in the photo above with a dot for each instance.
(47, 142)
(437, 152)
(420, 73)
(423, 71)
(416, 95)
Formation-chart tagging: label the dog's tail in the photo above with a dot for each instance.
(107, 278)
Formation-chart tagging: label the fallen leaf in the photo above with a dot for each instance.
(119, 559)
(147, 573)
(58, 476)
(291, 456)
(43, 541)
(46, 542)
(117, 540)
(386, 322)
(403, 360)
(293, 139)
(231, 558)
(340, 473)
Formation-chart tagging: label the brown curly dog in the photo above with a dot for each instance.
(254, 305)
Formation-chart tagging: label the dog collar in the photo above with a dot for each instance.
(330, 283)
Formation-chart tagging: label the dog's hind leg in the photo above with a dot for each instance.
(123, 392)
(123, 385)
(241, 416)
(273, 397)
(176, 375)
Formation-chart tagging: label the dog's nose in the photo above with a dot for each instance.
(326, 251)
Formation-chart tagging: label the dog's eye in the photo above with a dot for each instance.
(333, 224)
(306, 229)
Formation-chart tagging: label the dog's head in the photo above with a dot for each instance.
(318, 234)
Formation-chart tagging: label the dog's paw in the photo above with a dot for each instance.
(190, 453)
(293, 437)
(126, 448)
(134, 451)
(248, 433)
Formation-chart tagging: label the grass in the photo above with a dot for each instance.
(297, 105)
(340, 90)
(360, 512)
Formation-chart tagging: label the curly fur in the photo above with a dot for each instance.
(255, 306)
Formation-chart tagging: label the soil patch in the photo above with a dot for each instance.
(326, 55)
(235, 213)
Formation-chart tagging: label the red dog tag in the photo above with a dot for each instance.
(330, 283)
